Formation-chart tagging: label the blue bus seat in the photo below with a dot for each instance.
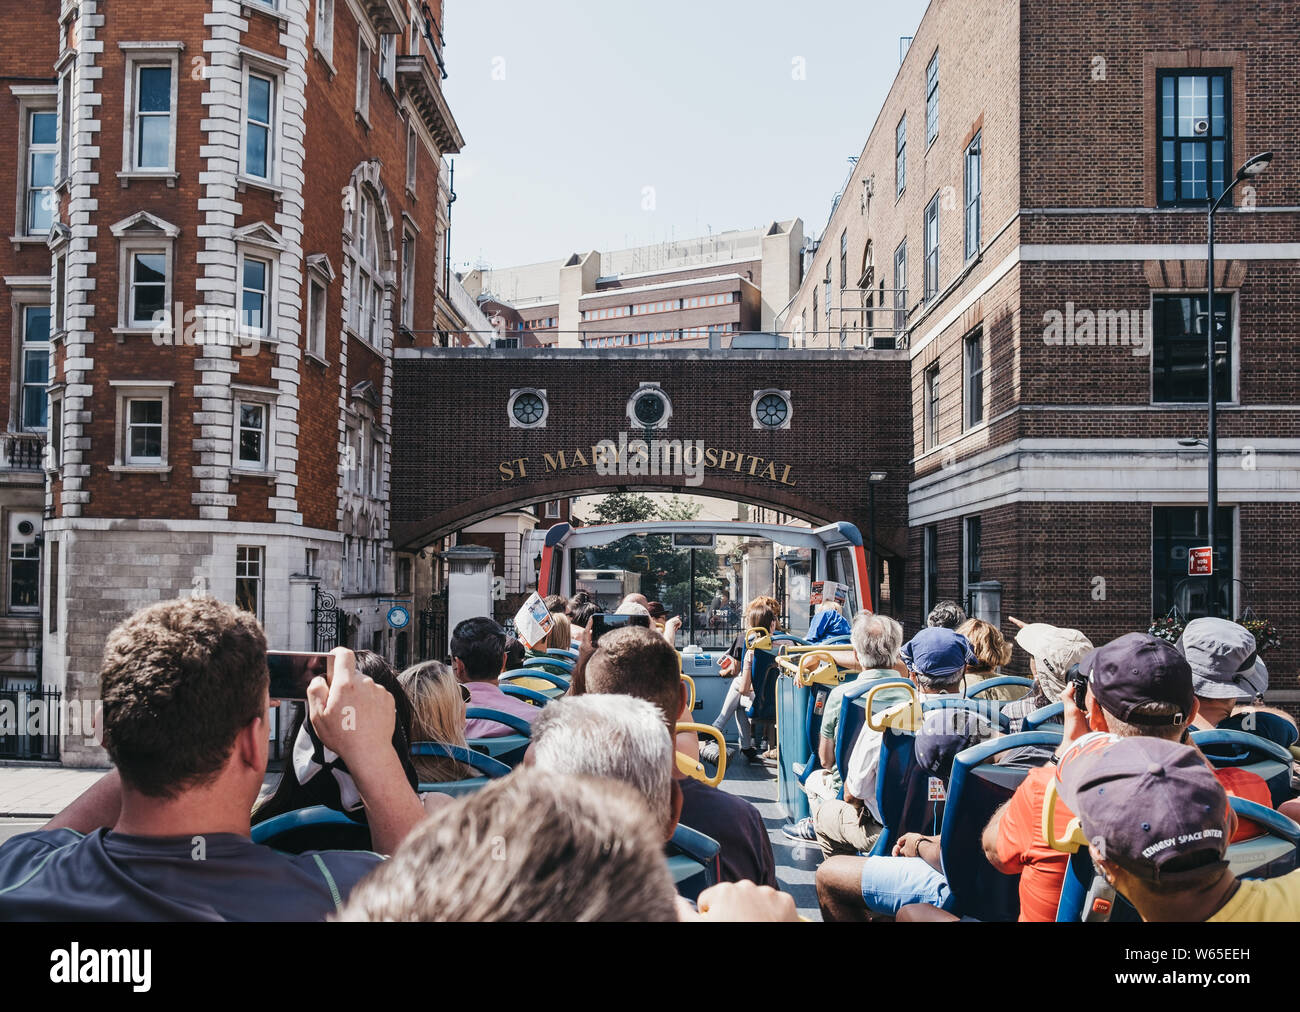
(529, 695)
(1243, 750)
(540, 674)
(563, 654)
(991, 709)
(976, 789)
(763, 675)
(694, 860)
(489, 767)
(313, 828)
(853, 716)
(836, 641)
(999, 681)
(508, 748)
(1051, 714)
(558, 665)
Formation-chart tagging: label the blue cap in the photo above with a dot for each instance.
(937, 652)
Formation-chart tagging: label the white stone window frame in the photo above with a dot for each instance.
(270, 67)
(142, 232)
(25, 292)
(371, 284)
(66, 91)
(367, 55)
(322, 36)
(54, 441)
(139, 55)
(770, 392)
(410, 236)
(266, 399)
(30, 99)
(412, 158)
(258, 241)
(260, 578)
(126, 391)
(637, 394)
(268, 292)
(515, 394)
(320, 276)
(386, 65)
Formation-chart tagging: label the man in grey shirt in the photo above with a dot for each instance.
(165, 836)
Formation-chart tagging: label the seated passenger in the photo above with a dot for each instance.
(1138, 686)
(871, 888)
(533, 846)
(555, 603)
(741, 688)
(827, 623)
(1165, 822)
(992, 651)
(945, 615)
(515, 655)
(580, 617)
(936, 660)
(1052, 652)
(876, 641)
(478, 650)
(438, 704)
(185, 722)
(614, 737)
(636, 662)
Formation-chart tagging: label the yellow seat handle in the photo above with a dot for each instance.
(904, 716)
(695, 768)
(690, 706)
(826, 673)
(758, 638)
(1074, 835)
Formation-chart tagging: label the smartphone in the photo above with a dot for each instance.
(292, 671)
(601, 624)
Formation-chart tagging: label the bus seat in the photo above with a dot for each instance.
(552, 664)
(313, 828)
(508, 748)
(977, 787)
(999, 681)
(1250, 752)
(1053, 714)
(988, 708)
(853, 715)
(1266, 856)
(563, 654)
(534, 678)
(489, 767)
(529, 695)
(693, 859)
(763, 675)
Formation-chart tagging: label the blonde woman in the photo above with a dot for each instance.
(993, 651)
(557, 639)
(438, 714)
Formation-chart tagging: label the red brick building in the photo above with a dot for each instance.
(246, 218)
(1028, 219)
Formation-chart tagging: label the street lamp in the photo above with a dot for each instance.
(1254, 167)
(874, 479)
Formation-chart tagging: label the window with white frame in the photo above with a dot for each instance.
(54, 445)
(374, 565)
(59, 317)
(388, 60)
(900, 157)
(974, 184)
(324, 32)
(249, 578)
(363, 79)
(143, 417)
(24, 575)
(149, 111)
(412, 156)
(259, 125)
(42, 153)
(347, 559)
(145, 248)
(35, 368)
(408, 279)
(932, 99)
(252, 431)
(367, 294)
(317, 300)
(553, 509)
(148, 287)
(932, 249)
(254, 295)
(376, 468)
(65, 121)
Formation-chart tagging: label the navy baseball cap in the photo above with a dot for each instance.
(1139, 668)
(1152, 806)
(937, 652)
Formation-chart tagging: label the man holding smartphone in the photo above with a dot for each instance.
(165, 836)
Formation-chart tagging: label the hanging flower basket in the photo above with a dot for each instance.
(1265, 632)
(1167, 627)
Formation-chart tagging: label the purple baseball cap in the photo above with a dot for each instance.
(1151, 806)
(937, 652)
(1139, 668)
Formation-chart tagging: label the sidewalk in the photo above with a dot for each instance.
(40, 791)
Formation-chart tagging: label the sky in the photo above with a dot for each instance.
(602, 124)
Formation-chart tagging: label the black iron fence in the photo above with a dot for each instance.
(432, 628)
(327, 620)
(30, 720)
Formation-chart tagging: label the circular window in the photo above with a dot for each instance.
(649, 409)
(528, 408)
(771, 409)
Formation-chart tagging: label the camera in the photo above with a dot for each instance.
(1080, 682)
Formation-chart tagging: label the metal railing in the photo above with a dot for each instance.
(30, 720)
(23, 451)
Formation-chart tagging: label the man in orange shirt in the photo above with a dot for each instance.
(1137, 685)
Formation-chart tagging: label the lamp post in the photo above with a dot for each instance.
(1253, 167)
(874, 479)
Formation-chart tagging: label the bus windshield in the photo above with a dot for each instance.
(706, 579)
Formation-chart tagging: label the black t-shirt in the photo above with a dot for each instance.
(736, 825)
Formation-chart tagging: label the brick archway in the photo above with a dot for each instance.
(458, 458)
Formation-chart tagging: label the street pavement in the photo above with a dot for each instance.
(41, 791)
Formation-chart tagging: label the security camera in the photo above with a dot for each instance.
(1201, 127)
(26, 528)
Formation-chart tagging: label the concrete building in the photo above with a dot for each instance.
(699, 292)
(245, 217)
(1027, 219)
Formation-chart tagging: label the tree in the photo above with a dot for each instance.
(625, 508)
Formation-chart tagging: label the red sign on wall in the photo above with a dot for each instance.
(1200, 561)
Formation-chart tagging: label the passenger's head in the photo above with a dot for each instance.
(613, 736)
(759, 614)
(533, 846)
(1224, 661)
(478, 646)
(1154, 813)
(374, 666)
(876, 640)
(1052, 652)
(635, 661)
(945, 615)
(1142, 686)
(987, 643)
(937, 659)
(632, 608)
(438, 714)
(561, 635)
(555, 602)
(581, 608)
(515, 654)
(637, 599)
(185, 696)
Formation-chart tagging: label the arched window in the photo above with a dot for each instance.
(367, 275)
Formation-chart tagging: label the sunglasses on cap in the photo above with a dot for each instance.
(464, 692)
